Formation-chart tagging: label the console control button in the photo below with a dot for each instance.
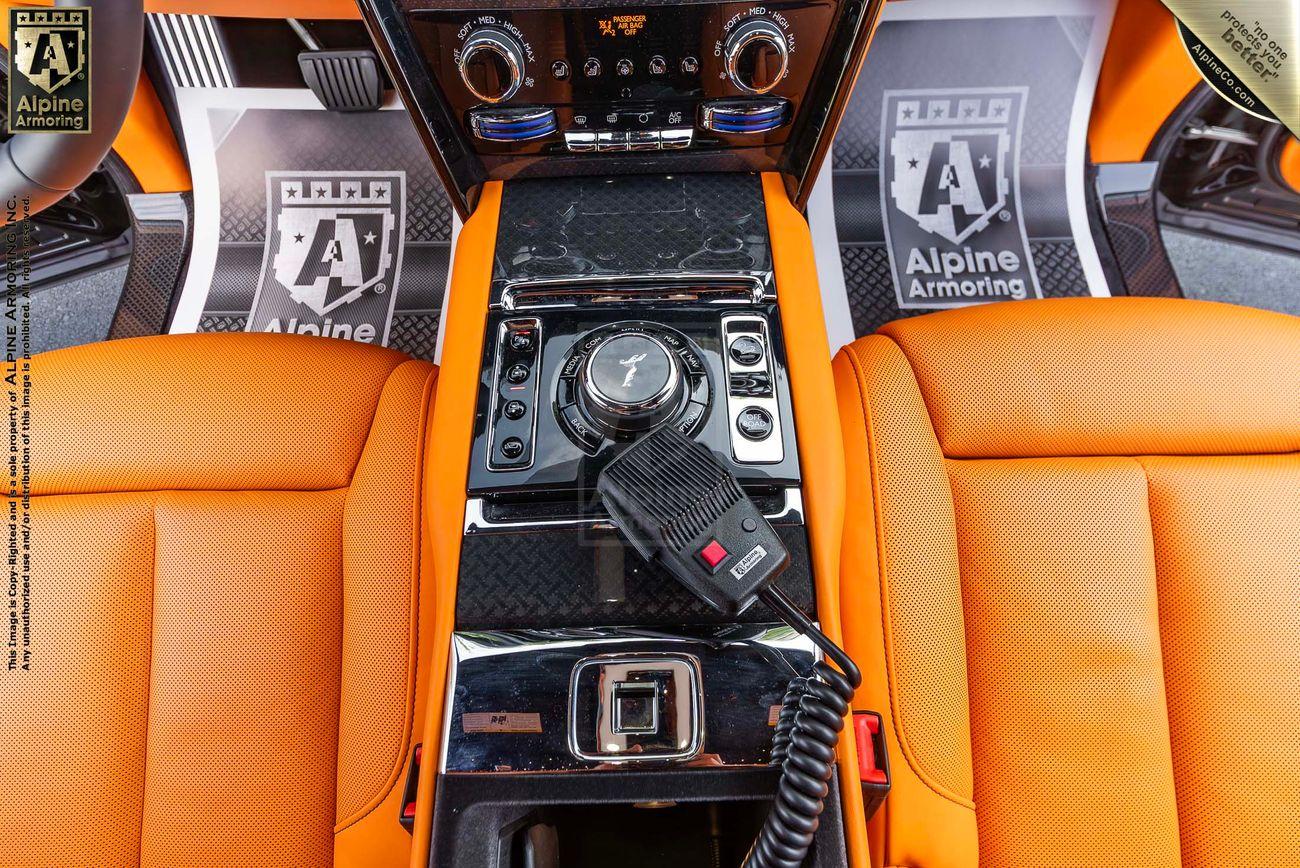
(611, 141)
(582, 430)
(754, 423)
(491, 64)
(692, 362)
(643, 140)
(512, 425)
(580, 142)
(560, 69)
(571, 365)
(630, 381)
(567, 395)
(691, 419)
(753, 410)
(658, 66)
(624, 67)
(591, 68)
(700, 389)
(690, 65)
(675, 139)
(747, 350)
(757, 56)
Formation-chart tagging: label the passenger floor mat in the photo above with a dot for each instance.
(957, 174)
(312, 221)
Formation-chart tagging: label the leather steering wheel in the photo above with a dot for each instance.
(47, 166)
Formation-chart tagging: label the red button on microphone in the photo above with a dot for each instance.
(713, 553)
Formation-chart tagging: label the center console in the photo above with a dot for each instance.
(597, 713)
(585, 683)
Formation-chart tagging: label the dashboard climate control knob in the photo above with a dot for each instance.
(757, 55)
(492, 64)
(631, 382)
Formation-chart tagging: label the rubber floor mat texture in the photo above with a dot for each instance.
(312, 222)
(957, 173)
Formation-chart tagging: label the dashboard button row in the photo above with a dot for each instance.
(635, 140)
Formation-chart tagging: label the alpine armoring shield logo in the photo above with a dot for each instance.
(333, 253)
(950, 196)
(49, 70)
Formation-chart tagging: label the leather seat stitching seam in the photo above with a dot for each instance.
(408, 723)
(148, 700)
(1164, 682)
(899, 728)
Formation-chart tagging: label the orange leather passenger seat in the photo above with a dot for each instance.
(1072, 579)
(224, 605)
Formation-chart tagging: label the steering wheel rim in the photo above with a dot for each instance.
(45, 167)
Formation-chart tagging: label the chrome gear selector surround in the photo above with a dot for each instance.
(631, 382)
(629, 377)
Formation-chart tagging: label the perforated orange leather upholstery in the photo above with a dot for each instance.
(225, 587)
(1071, 572)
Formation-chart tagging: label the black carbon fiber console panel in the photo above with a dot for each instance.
(670, 225)
(576, 577)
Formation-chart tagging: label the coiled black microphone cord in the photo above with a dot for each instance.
(807, 730)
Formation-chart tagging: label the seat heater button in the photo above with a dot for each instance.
(512, 448)
(754, 423)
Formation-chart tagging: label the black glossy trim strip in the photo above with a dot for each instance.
(459, 169)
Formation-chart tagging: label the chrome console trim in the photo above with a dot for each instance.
(791, 512)
(568, 292)
(525, 675)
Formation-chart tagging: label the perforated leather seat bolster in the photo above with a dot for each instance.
(1070, 574)
(224, 605)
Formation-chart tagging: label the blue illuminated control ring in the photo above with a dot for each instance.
(512, 124)
(744, 115)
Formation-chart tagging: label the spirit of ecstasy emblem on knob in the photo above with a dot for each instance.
(630, 364)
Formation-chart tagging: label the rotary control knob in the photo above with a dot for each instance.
(631, 382)
(757, 55)
(492, 64)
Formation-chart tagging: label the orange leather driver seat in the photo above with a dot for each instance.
(223, 607)
(1072, 579)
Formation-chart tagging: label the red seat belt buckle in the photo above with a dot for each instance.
(873, 759)
(407, 818)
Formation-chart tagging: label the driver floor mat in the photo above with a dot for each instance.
(312, 222)
(957, 174)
